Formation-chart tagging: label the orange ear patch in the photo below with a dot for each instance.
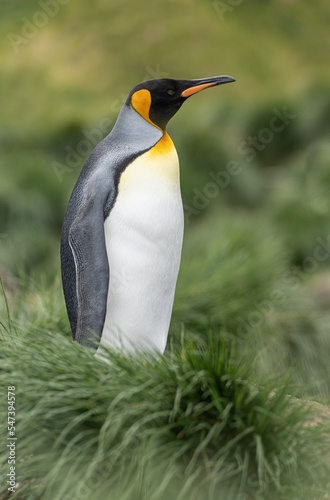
(141, 102)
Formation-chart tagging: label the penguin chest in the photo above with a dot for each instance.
(144, 234)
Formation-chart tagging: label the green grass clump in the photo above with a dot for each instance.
(229, 265)
(194, 424)
(236, 273)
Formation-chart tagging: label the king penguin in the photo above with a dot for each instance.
(123, 229)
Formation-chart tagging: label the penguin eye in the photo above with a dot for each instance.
(170, 92)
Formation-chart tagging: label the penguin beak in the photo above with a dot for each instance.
(194, 86)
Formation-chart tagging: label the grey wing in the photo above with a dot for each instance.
(85, 267)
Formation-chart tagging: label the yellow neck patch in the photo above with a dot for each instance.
(163, 146)
(141, 102)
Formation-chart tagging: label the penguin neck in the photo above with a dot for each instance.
(164, 145)
(137, 134)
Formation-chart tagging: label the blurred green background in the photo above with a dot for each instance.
(255, 171)
(255, 155)
(66, 68)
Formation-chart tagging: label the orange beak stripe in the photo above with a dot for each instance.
(193, 90)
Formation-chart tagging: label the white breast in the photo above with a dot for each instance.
(144, 234)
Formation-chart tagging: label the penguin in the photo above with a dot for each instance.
(122, 233)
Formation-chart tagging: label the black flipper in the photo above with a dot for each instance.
(87, 244)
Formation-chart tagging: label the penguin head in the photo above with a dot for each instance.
(158, 100)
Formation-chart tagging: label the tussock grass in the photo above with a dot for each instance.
(236, 275)
(196, 423)
(225, 270)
